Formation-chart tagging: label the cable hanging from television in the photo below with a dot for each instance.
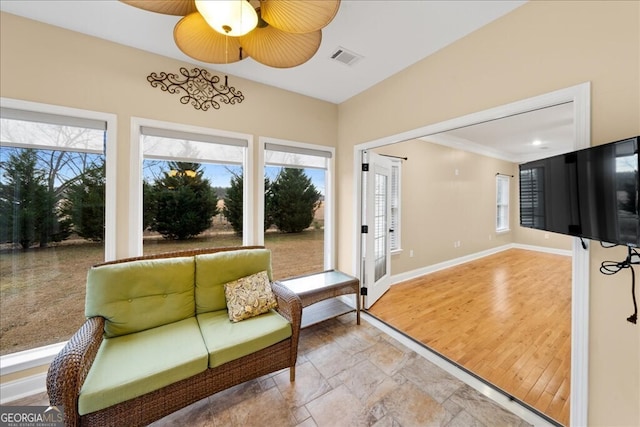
(583, 243)
(611, 267)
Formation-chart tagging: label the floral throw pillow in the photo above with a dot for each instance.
(249, 296)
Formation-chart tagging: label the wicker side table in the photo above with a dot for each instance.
(318, 292)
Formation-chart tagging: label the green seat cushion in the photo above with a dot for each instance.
(227, 341)
(139, 295)
(132, 365)
(214, 270)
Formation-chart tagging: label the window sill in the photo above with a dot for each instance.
(23, 360)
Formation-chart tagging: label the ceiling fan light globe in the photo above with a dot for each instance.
(229, 17)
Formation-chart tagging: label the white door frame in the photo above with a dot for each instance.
(580, 95)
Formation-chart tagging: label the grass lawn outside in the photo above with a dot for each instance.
(43, 289)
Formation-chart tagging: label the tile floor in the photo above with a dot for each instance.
(347, 375)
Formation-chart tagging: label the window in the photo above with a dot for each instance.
(193, 188)
(395, 205)
(56, 218)
(380, 226)
(532, 197)
(502, 203)
(298, 204)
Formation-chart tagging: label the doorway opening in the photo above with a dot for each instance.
(579, 97)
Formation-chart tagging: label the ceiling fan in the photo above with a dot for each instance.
(277, 33)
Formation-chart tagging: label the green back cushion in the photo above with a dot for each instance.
(140, 295)
(214, 270)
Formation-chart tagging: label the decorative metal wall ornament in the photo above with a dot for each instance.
(203, 90)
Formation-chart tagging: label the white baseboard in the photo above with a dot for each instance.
(23, 387)
(402, 277)
(565, 252)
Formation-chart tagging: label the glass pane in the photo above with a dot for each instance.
(294, 219)
(188, 205)
(380, 226)
(52, 204)
(192, 193)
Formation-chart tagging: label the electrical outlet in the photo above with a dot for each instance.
(411, 253)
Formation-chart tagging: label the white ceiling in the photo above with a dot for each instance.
(519, 138)
(389, 34)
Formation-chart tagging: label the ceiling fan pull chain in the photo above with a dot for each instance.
(226, 49)
(226, 57)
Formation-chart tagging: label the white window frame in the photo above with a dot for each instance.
(502, 181)
(135, 195)
(110, 152)
(42, 356)
(329, 219)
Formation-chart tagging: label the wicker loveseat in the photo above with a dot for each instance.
(157, 337)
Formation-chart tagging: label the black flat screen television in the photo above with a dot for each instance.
(590, 193)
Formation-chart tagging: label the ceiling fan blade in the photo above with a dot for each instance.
(197, 39)
(166, 7)
(300, 16)
(275, 48)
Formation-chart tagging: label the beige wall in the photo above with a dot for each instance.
(529, 236)
(440, 207)
(448, 195)
(46, 64)
(539, 48)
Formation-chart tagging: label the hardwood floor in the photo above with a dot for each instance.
(505, 317)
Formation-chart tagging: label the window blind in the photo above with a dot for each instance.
(292, 156)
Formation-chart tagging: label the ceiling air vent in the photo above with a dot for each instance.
(345, 56)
